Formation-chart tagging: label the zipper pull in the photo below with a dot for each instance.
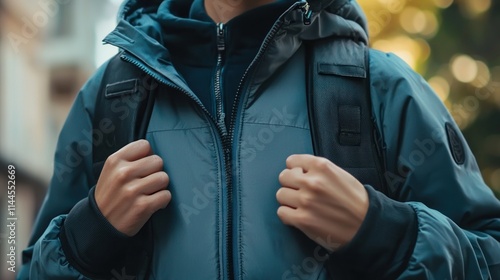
(306, 9)
(221, 44)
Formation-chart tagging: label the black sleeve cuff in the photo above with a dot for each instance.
(382, 247)
(91, 244)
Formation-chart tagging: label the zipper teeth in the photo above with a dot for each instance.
(226, 146)
(221, 46)
(218, 96)
(218, 85)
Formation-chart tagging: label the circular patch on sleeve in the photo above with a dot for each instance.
(456, 144)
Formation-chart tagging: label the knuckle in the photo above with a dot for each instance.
(123, 173)
(323, 164)
(306, 201)
(112, 160)
(303, 180)
(130, 193)
(314, 185)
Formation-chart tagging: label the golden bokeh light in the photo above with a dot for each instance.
(416, 21)
(431, 26)
(410, 50)
(443, 4)
(463, 72)
(483, 75)
(477, 7)
(394, 6)
(441, 87)
(425, 49)
(412, 20)
(464, 68)
(495, 178)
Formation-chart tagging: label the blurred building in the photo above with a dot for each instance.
(48, 48)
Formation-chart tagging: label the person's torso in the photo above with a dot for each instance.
(223, 209)
(222, 221)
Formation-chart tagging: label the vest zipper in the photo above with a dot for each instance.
(221, 47)
(226, 146)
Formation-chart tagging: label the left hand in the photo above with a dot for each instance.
(322, 200)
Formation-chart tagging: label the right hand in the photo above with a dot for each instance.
(132, 187)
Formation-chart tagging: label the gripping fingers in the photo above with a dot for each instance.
(158, 200)
(286, 215)
(288, 197)
(154, 183)
(291, 178)
(134, 151)
(149, 165)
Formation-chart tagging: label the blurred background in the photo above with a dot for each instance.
(48, 49)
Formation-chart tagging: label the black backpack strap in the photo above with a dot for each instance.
(340, 112)
(123, 109)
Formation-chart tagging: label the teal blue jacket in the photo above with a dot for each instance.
(438, 221)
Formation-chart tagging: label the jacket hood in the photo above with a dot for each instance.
(338, 18)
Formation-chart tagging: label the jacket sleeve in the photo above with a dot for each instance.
(71, 238)
(440, 220)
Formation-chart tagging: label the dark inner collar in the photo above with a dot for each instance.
(190, 34)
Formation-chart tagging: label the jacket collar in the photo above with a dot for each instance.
(140, 31)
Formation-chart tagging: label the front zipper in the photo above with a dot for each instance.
(221, 47)
(226, 145)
